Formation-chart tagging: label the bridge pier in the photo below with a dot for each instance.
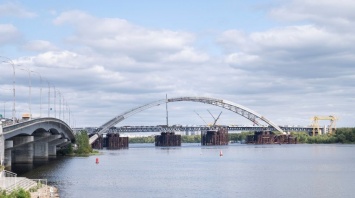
(168, 139)
(40, 148)
(215, 137)
(114, 141)
(22, 154)
(41, 152)
(52, 146)
(7, 159)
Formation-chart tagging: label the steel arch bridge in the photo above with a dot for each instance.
(236, 108)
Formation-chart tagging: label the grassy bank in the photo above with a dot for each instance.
(21, 193)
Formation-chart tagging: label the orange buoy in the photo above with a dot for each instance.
(97, 160)
(220, 153)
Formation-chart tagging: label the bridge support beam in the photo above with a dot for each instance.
(22, 154)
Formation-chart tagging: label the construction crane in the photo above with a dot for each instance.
(215, 119)
(201, 118)
(315, 123)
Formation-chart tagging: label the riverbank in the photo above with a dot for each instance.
(45, 192)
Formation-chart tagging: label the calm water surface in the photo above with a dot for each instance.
(194, 171)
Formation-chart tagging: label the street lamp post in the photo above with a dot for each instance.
(68, 111)
(63, 109)
(13, 85)
(30, 86)
(40, 106)
(69, 116)
(49, 94)
(55, 98)
(4, 110)
(60, 103)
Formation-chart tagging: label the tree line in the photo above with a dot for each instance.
(342, 135)
(151, 139)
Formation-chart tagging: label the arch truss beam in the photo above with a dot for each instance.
(236, 108)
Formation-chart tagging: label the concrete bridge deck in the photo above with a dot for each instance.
(35, 139)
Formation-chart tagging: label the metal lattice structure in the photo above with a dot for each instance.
(315, 123)
(236, 108)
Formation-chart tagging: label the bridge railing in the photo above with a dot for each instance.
(33, 121)
(7, 179)
(53, 122)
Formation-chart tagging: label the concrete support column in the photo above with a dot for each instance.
(23, 154)
(52, 146)
(7, 161)
(52, 150)
(41, 147)
(40, 151)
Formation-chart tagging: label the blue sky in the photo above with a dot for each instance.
(205, 18)
(287, 60)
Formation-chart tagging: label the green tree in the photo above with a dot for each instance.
(239, 136)
(191, 138)
(82, 141)
(68, 150)
(149, 139)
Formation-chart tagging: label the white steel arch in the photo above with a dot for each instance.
(236, 108)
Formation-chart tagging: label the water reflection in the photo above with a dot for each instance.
(196, 171)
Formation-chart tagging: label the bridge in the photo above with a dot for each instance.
(245, 112)
(35, 139)
(133, 129)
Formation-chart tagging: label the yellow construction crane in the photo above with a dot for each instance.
(315, 123)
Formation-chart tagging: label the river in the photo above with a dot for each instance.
(191, 170)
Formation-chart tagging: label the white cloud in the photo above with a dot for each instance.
(16, 10)
(8, 33)
(187, 55)
(59, 59)
(39, 46)
(287, 73)
(297, 69)
(292, 50)
(118, 36)
(241, 59)
(336, 15)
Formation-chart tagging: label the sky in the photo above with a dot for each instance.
(286, 60)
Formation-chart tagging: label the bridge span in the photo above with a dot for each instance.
(35, 139)
(245, 112)
(133, 129)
